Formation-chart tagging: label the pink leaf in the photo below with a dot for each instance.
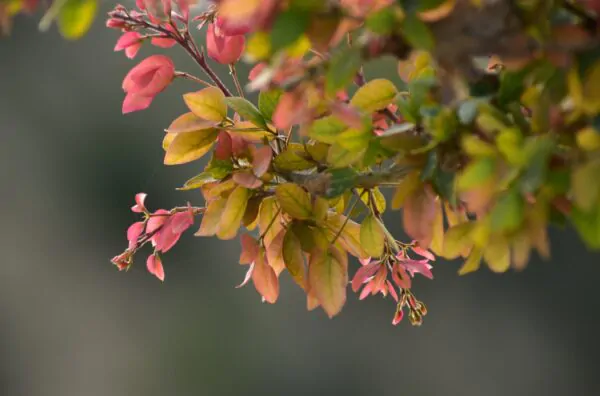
(134, 102)
(423, 252)
(139, 203)
(400, 277)
(363, 274)
(421, 267)
(289, 111)
(223, 49)
(262, 160)
(230, 29)
(134, 232)
(131, 42)
(247, 179)
(392, 290)
(150, 77)
(155, 267)
(181, 221)
(164, 42)
(156, 220)
(366, 291)
(247, 277)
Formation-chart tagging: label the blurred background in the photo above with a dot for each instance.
(72, 325)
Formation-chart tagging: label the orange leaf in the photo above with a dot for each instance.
(265, 280)
(419, 216)
(328, 279)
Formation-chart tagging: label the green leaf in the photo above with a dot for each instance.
(247, 111)
(294, 201)
(372, 236)
(341, 181)
(293, 258)
(340, 157)
(342, 69)
(75, 18)
(507, 214)
(288, 27)
(198, 181)
(476, 173)
(355, 139)
(417, 33)
(585, 185)
(290, 160)
(267, 102)
(383, 21)
(327, 129)
(375, 95)
(588, 226)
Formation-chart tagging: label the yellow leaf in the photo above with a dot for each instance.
(328, 279)
(269, 223)
(211, 218)
(375, 95)
(437, 241)
(476, 147)
(588, 139)
(437, 13)
(238, 11)
(585, 185)
(339, 157)
(187, 147)
(294, 201)
(167, 140)
(521, 250)
(208, 104)
(189, 122)
(76, 17)
(456, 240)
(349, 235)
(293, 258)
(407, 186)
(320, 209)
(258, 47)
(233, 213)
(472, 263)
(372, 237)
(497, 254)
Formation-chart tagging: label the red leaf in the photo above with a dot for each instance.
(265, 280)
(262, 160)
(249, 249)
(419, 216)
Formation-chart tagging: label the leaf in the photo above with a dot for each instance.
(456, 240)
(417, 33)
(247, 179)
(327, 129)
(293, 258)
(407, 186)
(267, 102)
(261, 160)
(476, 173)
(208, 104)
(343, 67)
(419, 216)
(341, 180)
(288, 27)
(265, 280)
(294, 201)
(247, 111)
(340, 157)
(349, 234)
(585, 185)
(268, 224)
(497, 254)
(211, 217)
(290, 160)
(187, 147)
(472, 263)
(328, 279)
(198, 181)
(189, 122)
(250, 249)
(354, 139)
(233, 213)
(76, 17)
(372, 237)
(375, 95)
(507, 214)
(274, 253)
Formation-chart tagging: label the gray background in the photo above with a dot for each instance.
(72, 325)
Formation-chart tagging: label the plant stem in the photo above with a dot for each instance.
(191, 77)
(236, 81)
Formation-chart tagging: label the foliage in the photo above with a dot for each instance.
(493, 136)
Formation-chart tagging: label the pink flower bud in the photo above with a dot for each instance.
(145, 81)
(114, 23)
(223, 49)
(131, 42)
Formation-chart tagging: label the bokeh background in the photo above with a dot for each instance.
(72, 325)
